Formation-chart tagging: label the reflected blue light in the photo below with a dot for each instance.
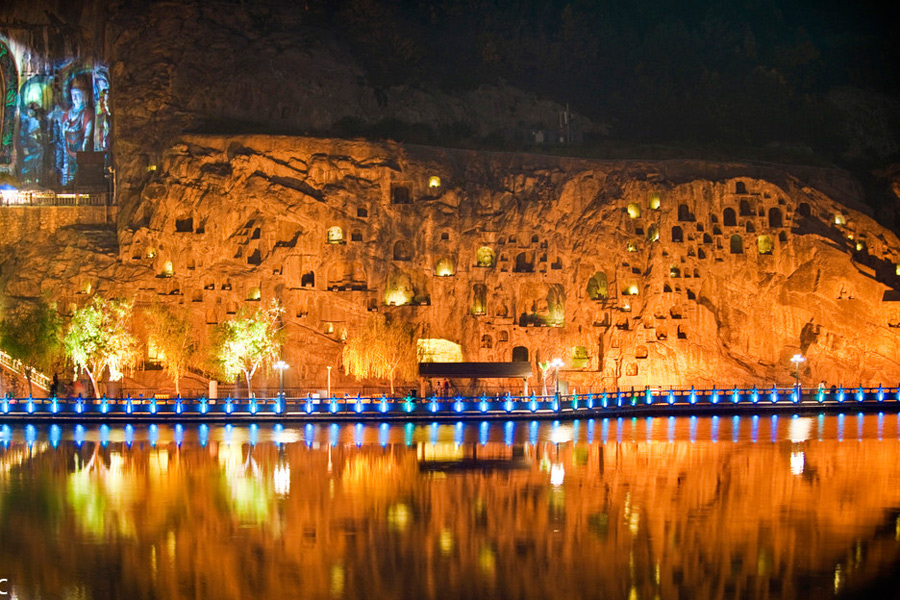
(129, 435)
(693, 428)
(774, 428)
(254, 433)
(880, 425)
(458, 433)
(509, 429)
(408, 433)
(104, 435)
(590, 431)
(30, 434)
(309, 435)
(179, 434)
(715, 429)
(483, 433)
(670, 433)
(434, 433)
(821, 425)
(358, 434)
(79, 435)
(840, 427)
(229, 429)
(334, 432)
(203, 433)
(153, 434)
(754, 428)
(649, 425)
(735, 428)
(533, 433)
(859, 426)
(55, 435)
(619, 425)
(384, 431)
(5, 434)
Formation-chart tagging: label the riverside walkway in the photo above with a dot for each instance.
(589, 405)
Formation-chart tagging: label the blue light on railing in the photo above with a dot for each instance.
(620, 396)
(880, 393)
(30, 407)
(773, 395)
(179, 407)
(754, 396)
(670, 398)
(508, 405)
(204, 406)
(555, 404)
(840, 395)
(574, 401)
(795, 396)
(408, 405)
(859, 394)
(384, 405)
(253, 407)
(309, 406)
(533, 404)
(6, 406)
(604, 400)
(54, 406)
(820, 396)
(79, 407)
(590, 401)
(648, 396)
(458, 406)
(735, 396)
(483, 405)
(357, 406)
(153, 406)
(228, 406)
(276, 408)
(693, 397)
(434, 405)
(333, 407)
(715, 396)
(129, 407)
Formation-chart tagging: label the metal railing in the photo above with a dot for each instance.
(41, 198)
(613, 403)
(38, 379)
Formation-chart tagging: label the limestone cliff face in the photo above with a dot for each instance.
(636, 273)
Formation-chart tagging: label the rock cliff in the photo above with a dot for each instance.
(636, 273)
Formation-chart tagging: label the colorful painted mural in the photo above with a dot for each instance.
(54, 123)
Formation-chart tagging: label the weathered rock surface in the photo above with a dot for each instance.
(636, 273)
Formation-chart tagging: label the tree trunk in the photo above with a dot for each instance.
(28, 379)
(247, 376)
(177, 379)
(93, 383)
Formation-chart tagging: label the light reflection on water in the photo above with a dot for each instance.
(697, 507)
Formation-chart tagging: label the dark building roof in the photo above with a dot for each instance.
(473, 370)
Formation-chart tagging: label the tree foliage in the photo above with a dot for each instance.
(32, 335)
(99, 338)
(251, 340)
(383, 349)
(171, 334)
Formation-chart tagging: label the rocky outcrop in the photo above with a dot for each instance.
(636, 273)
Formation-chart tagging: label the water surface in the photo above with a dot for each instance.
(731, 507)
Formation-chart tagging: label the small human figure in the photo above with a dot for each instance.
(446, 388)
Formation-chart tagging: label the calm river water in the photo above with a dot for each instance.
(692, 508)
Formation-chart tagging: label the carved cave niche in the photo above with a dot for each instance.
(184, 224)
(403, 250)
(334, 235)
(598, 286)
(400, 194)
(347, 276)
(479, 299)
(444, 267)
(524, 263)
(677, 234)
(487, 342)
(520, 354)
(503, 336)
(485, 258)
(775, 218)
(736, 244)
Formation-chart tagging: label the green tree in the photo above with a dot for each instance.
(171, 334)
(243, 344)
(384, 349)
(99, 338)
(32, 335)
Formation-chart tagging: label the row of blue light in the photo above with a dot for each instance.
(459, 405)
(509, 428)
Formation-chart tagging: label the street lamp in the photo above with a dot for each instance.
(281, 366)
(797, 359)
(556, 363)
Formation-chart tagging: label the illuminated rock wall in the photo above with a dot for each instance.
(636, 273)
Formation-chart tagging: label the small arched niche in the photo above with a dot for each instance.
(403, 250)
(520, 354)
(737, 244)
(634, 210)
(444, 268)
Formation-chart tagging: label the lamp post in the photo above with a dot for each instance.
(556, 363)
(329, 380)
(281, 366)
(797, 359)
